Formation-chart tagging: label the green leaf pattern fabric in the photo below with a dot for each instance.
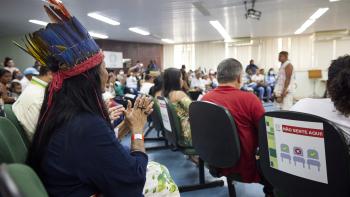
(159, 183)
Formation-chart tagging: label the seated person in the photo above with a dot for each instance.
(5, 79)
(259, 79)
(336, 107)
(173, 91)
(119, 86)
(75, 151)
(146, 86)
(28, 105)
(247, 110)
(248, 85)
(132, 83)
(271, 79)
(197, 83)
(15, 89)
(28, 74)
(156, 90)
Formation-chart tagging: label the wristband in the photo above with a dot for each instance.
(137, 137)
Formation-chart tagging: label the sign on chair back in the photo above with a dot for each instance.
(303, 155)
(169, 130)
(214, 134)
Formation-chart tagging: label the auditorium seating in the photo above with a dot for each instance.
(304, 155)
(19, 180)
(215, 138)
(12, 146)
(172, 128)
(12, 117)
(155, 125)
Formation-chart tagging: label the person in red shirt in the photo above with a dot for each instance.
(247, 110)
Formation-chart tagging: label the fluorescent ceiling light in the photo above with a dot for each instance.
(311, 20)
(334, 0)
(98, 35)
(139, 31)
(103, 19)
(38, 22)
(168, 41)
(306, 25)
(217, 25)
(319, 13)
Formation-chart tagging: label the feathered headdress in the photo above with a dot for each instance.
(65, 46)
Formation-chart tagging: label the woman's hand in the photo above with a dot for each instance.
(114, 112)
(136, 117)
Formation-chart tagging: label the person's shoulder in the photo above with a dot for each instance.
(177, 95)
(310, 103)
(88, 120)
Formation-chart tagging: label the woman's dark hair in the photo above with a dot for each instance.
(172, 78)
(6, 60)
(158, 85)
(79, 94)
(268, 74)
(338, 85)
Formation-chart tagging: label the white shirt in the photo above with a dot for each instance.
(199, 83)
(131, 82)
(28, 105)
(145, 87)
(325, 109)
(24, 82)
(258, 78)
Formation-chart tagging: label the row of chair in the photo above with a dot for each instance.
(216, 141)
(16, 179)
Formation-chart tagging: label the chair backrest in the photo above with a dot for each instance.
(156, 116)
(12, 147)
(167, 121)
(304, 155)
(18, 180)
(214, 134)
(12, 117)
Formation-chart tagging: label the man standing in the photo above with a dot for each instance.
(28, 105)
(252, 67)
(284, 87)
(247, 110)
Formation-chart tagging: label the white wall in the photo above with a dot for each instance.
(305, 53)
(7, 48)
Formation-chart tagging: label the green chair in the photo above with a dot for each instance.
(172, 131)
(12, 147)
(18, 180)
(12, 117)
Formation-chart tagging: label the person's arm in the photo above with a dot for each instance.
(100, 160)
(289, 72)
(257, 111)
(123, 130)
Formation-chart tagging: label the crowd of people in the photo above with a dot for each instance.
(70, 111)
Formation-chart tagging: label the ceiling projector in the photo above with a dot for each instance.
(251, 12)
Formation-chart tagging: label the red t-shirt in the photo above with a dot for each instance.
(247, 110)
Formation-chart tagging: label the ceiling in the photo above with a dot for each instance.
(179, 19)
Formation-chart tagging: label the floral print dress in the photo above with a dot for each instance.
(182, 111)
